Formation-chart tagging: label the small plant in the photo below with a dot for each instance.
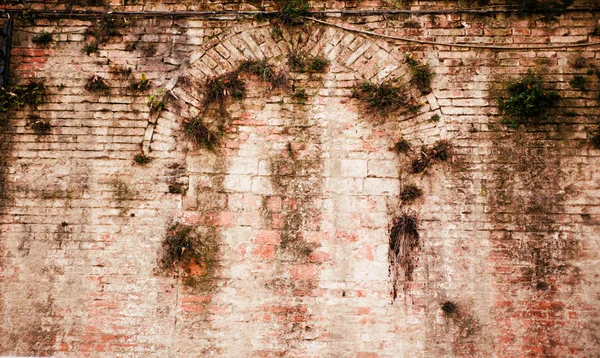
(383, 98)
(402, 146)
(130, 46)
(216, 89)
(149, 50)
(404, 240)
(300, 96)
(176, 188)
(39, 126)
(155, 101)
(578, 82)
(441, 151)
(578, 62)
(449, 308)
(305, 62)
(141, 85)
(422, 75)
(435, 118)
(27, 17)
(198, 132)
(528, 101)
(43, 39)
(410, 193)
(596, 140)
(97, 84)
(142, 159)
(120, 71)
(90, 48)
(181, 247)
(266, 72)
(31, 94)
(292, 12)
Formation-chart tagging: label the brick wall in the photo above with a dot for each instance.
(298, 198)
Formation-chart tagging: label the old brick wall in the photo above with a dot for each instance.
(298, 198)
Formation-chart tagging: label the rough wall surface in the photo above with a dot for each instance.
(299, 196)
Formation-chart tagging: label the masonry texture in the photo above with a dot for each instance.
(295, 203)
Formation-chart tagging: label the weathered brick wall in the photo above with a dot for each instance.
(298, 199)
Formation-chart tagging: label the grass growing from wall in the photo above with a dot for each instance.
(403, 242)
(383, 98)
(305, 62)
(30, 94)
(441, 150)
(422, 75)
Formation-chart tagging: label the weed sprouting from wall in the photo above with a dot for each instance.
(435, 118)
(199, 133)
(404, 241)
(292, 12)
(217, 89)
(90, 48)
(120, 71)
(142, 159)
(31, 94)
(410, 192)
(139, 85)
(300, 96)
(422, 75)
(578, 82)
(155, 101)
(466, 324)
(441, 150)
(38, 125)
(106, 27)
(97, 84)
(383, 98)
(305, 62)
(402, 146)
(265, 71)
(180, 246)
(527, 103)
(43, 39)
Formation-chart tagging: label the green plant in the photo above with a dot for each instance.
(435, 118)
(197, 131)
(527, 102)
(90, 48)
(404, 240)
(130, 46)
(449, 308)
(410, 193)
(305, 62)
(441, 151)
(383, 98)
(181, 247)
(422, 75)
(27, 17)
(120, 71)
(402, 146)
(40, 126)
(97, 84)
(141, 85)
(142, 159)
(264, 71)
(155, 101)
(42, 39)
(596, 140)
(292, 12)
(300, 96)
(149, 50)
(216, 89)
(31, 94)
(578, 82)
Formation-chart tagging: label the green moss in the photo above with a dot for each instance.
(435, 118)
(43, 39)
(90, 48)
(527, 103)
